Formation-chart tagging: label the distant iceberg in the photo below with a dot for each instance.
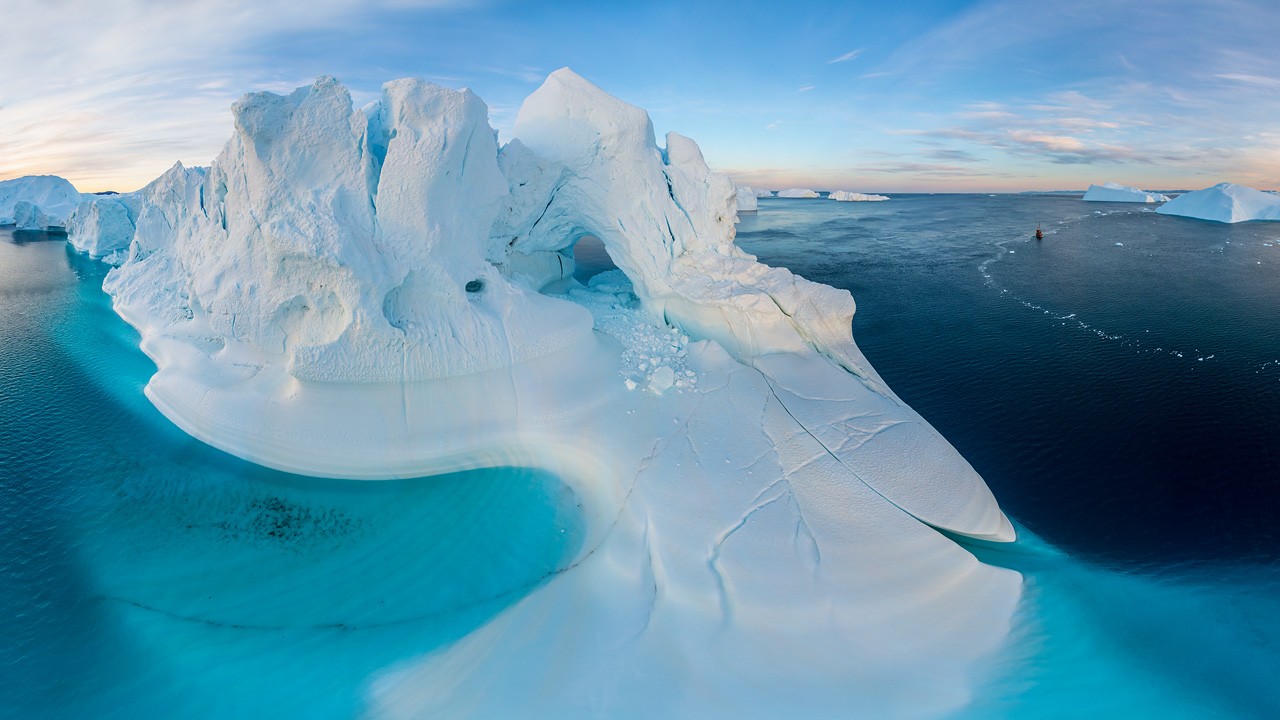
(1115, 192)
(746, 200)
(846, 196)
(798, 193)
(37, 202)
(1225, 203)
(387, 293)
(762, 193)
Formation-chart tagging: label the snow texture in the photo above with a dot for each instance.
(1115, 192)
(846, 196)
(384, 293)
(1225, 203)
(798, 193)
(37, 202)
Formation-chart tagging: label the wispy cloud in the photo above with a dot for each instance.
(806, 88)
(1251, 79)
(845, 57)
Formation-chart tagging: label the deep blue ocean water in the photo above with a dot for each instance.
(1122, 401)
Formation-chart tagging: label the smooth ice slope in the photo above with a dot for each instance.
(1115, 192)
(846, 196)
(1225, 203)
(798, 193)
(747, 200)
(355, 294)
(37, 202)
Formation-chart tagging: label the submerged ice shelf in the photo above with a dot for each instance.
(386, 293)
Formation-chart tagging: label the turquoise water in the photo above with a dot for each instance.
(146, 575)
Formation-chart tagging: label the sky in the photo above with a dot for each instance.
(930, 96)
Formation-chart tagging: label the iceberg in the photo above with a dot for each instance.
(798, 193)
(37, 202)
(386, 293)
(747, 199)
(1115, 192)
(846, 196)
(1225, 203)
(102, 227)
(761, 193)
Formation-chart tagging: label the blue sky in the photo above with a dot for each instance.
(884, 96)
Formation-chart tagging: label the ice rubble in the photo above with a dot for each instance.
(1225, 203)
(37, 202)
(846, 196)
(798, 193)
(747, 200)
(1115, 192)
(356, 294)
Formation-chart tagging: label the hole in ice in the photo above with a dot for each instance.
(590, 258)
(475, 286)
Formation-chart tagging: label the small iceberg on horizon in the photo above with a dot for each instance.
(798, 193)
(1115, 192)
(1225, 203)
(846, 196)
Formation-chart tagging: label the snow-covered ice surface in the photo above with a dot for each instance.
(847, 196)
(37, 202)
(747, 199)
(1225, 203)
(1115, 192)
(355, 294)
(803, 193)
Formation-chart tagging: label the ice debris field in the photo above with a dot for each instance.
(385, 292)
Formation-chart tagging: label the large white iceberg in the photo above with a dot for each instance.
(1225, 203)
(798, 193)
(355, 294)
(1115, 192)
(846, 196)
(37, 202)
(747, 200)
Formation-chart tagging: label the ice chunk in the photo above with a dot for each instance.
(1225, 203)
(661, 379)
(846, 196)
(798, 193)
(746, 199)
(102, 226)
(1115, 192)
(37, 202)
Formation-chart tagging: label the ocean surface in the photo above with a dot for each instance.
(1117, 384)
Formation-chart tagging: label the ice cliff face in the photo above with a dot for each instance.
(385, 293)
(37, 202)
(747, 200)
(1225, 203)
(1115, 192)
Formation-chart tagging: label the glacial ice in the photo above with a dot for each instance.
(1115, 192)
(102, 226)
(1225, 203)
(761, 192)
(386, 293)
(747, 200)
(846, 196)
(798, 193)
(37, 202)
